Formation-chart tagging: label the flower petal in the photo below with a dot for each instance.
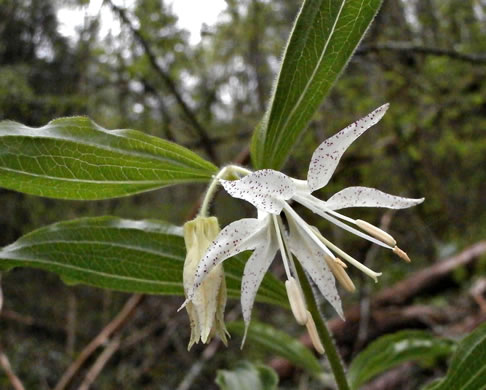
(265, 189)
(326, 157)
(368, 197)
(312, 259)
(255, 269)
(237, 237)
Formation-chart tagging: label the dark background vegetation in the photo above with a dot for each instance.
(424, 57)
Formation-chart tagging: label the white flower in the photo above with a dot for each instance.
(271, 193)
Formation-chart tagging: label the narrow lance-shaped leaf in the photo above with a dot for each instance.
(133, 256)
(391, 350)
(279, 343)
(74, 158)
(322, 41)
(247, 376)
(467, 370)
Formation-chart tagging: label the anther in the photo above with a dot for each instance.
(340, 274)
(340, 262)
(401, 254)
(376, 232)
(312, 330)
(297, 303)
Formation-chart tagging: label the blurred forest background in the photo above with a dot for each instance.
(424, 57)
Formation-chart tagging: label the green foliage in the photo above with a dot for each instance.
(467, 370)
(279, 343)
(74, 158)
(324, 37)
(391, 350)
(119, 254)
(247, 376)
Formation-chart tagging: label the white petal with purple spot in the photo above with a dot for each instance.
(326, 157)
(266, 189)
(255, 269)
(237, 237)
(368, 197)
(312, 259)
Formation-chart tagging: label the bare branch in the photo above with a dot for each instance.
(14, 379)
(118, 322)
(406, 47)
(171, 85)
(100, 363)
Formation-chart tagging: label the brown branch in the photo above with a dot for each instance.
(428, 278)
(118, 322)
(405, 47)
(98, 365)
(171, 85)
(14, 379)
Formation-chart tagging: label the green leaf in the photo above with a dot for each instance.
(133, 256)
(74, 158)
(391, 350)
(247, 376)
(323, 39)
(467, 370)
(279, 343)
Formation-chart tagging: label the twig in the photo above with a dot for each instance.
(207, 354)
(119, 321)
(198, 365)
(171, 85)
(71, 323)
(430, 277)
(406, 47)
(98, 365)
(14, 379)
(1, 294)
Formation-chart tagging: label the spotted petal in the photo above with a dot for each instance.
(266, 189)
(326, 157)
(255, 269)
(312, 259)
(239, 236)
(368, 197)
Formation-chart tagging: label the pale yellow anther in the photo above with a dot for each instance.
(296, 300)
(314, 336)
(351, 260)
(340, 274)
(376, 232)
(401, 254)
(340, 262)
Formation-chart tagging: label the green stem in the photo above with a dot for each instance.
(326, 339)
(224, 173)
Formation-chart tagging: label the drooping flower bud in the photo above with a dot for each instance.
(206, 308)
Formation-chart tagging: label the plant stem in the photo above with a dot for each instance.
(223, 173)
(326, 339)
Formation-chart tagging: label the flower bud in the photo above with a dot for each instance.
(206, 309)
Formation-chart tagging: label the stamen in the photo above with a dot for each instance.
(304, 225)
(402, 254)
(341, 263)
(372, 274)
(323, 212)
(312, 330)
(377, 232)
(340, 274)
(297, 302)
(282, 248)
